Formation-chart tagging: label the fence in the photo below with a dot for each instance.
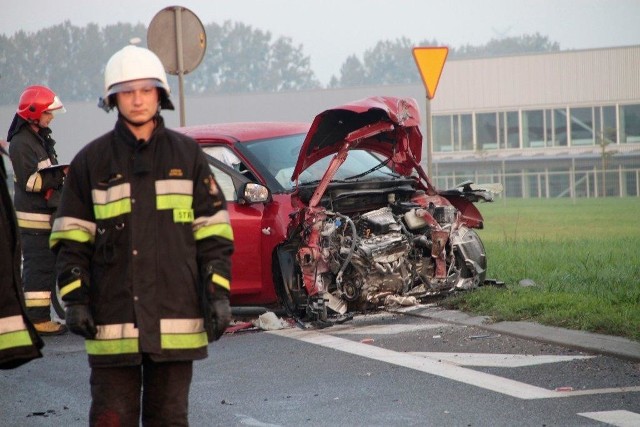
(619, 182)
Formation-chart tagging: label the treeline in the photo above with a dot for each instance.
(391, 62)
(239, 58)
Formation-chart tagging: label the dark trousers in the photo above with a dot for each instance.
(115, 394)
(38, 274)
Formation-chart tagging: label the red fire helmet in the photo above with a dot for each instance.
(35, 100)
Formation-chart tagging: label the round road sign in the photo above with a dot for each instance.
(177, 36)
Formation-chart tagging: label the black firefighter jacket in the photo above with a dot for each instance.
(32, 155)
(19, 343)
(139, 227)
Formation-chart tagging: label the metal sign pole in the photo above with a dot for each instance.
(178, 12)
(177, 36)
(429, 136)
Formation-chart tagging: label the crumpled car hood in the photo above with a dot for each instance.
(386, 125)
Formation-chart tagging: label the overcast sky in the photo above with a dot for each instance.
(331, 30)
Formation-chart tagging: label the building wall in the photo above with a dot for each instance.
(571, 77)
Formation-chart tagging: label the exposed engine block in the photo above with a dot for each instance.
(396, 251)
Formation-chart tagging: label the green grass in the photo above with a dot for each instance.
(583, 255)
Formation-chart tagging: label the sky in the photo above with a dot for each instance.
(331, 30)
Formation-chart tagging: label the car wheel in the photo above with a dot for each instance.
(470, 259)
(287, 280)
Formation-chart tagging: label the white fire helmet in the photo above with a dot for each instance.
(129, 65)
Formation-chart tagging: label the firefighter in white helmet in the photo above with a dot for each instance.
(144, 248)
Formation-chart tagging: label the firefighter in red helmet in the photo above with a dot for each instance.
(37, 193)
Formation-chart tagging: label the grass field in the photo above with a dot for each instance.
(583, 256)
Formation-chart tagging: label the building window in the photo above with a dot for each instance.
(512, 129)
(533, 128)
(630, 123)
(453, 133)
(559, 137)
(466, 132)
(581, 120)
(609, 126)
(605, 125)
(487, 131)
(442, 133)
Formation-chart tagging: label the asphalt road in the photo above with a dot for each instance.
(385, 369)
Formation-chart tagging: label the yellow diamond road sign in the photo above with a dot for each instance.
(430, 61)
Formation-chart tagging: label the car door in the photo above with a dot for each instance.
(247, 287)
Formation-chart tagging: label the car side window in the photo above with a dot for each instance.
(225, 183)
(225, 155)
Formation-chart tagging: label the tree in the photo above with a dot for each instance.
(67, 58)
(17, 50)
(527, 43)
(241, 59)
(289, 68)
(71, 61)
(391, 62)
(352, 73)
(388, 62)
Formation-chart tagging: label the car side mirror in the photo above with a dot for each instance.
(250, 192)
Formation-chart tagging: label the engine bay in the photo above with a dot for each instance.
(367, 245)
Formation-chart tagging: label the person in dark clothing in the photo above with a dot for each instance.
(37, 194)
(19, 342)
(143, 244)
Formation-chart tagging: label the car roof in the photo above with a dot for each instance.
(243, 131)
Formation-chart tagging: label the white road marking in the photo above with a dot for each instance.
(615, 418)
(250, 421)
(433, 367)
(497, 360)
(385, 329)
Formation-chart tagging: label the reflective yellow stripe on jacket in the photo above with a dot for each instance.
(112, 202)
(175, 334)
(76, 284)
(73, 229)
(174, 194)
(34, 182)
(13, 333)
(36, 221)
(221, 281)
(37, 299)
(217, 225)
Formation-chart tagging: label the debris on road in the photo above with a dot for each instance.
(270, 322)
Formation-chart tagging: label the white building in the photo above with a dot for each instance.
(544, 125)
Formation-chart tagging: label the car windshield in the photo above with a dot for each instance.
(278, 157)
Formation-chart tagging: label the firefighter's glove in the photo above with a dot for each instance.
(80, 321)
(219, 309)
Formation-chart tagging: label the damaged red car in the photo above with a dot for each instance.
(338, 216)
